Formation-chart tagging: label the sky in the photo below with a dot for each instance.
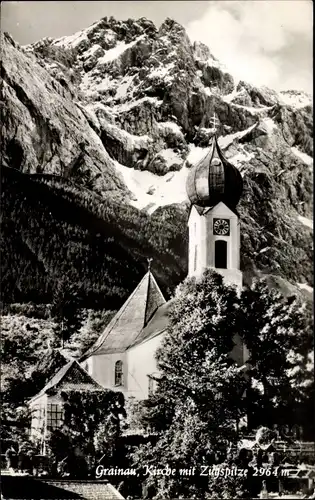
(264, 42)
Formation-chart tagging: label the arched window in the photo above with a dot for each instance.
(119, 373)
(220, 254)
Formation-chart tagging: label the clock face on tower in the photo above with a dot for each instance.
(221, 227)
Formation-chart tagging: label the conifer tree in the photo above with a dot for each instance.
(66, 310)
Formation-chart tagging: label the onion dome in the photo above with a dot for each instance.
(214, 179)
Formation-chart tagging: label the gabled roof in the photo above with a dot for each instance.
(158, 324)
(73, 374)
(204, 210)
(132, 317)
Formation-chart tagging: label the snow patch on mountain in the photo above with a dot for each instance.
(207, 91)
(122, 89)
(121, 108)
(163, 72)
(72, 40)
(240, 158)
(117, 51)
(308, 160)
(235, 93)
(170, 127)
(295, 98)
(306, 287)
(227, 140)
(195, 154)
(268, 125)
(171, 157)
(152, 190)
(92, 50)
(306, 222)
(252, 109)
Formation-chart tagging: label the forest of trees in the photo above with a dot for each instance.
(51, 228)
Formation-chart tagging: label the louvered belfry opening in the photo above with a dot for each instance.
(220, 256)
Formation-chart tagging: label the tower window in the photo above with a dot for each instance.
(220, 252)
(119, 373)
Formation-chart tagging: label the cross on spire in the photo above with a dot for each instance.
(149, 263)
(214, 121)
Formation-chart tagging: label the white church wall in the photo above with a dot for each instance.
(197, 242)
(102, 368)
(141, 363)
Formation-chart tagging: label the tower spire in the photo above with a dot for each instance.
(149, 263)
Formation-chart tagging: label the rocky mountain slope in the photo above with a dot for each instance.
(99, 131)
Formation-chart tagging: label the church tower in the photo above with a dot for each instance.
(214, 187)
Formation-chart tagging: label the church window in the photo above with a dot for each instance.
(54, 416)
(119, 373)
(195, 258)
(220, 252)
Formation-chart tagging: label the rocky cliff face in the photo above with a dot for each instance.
(118, 113)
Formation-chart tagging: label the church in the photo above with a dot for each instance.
(123, 357)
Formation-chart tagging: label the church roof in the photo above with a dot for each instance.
(214, 179)
(135, 314)
(158, 324)
(70, 375)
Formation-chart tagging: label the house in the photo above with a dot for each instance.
(47, 406)
(123, 357)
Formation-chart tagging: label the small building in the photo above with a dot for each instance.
(47, 406)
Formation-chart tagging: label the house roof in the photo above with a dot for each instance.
(131, 319)
(89, 489)
(70, 374)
